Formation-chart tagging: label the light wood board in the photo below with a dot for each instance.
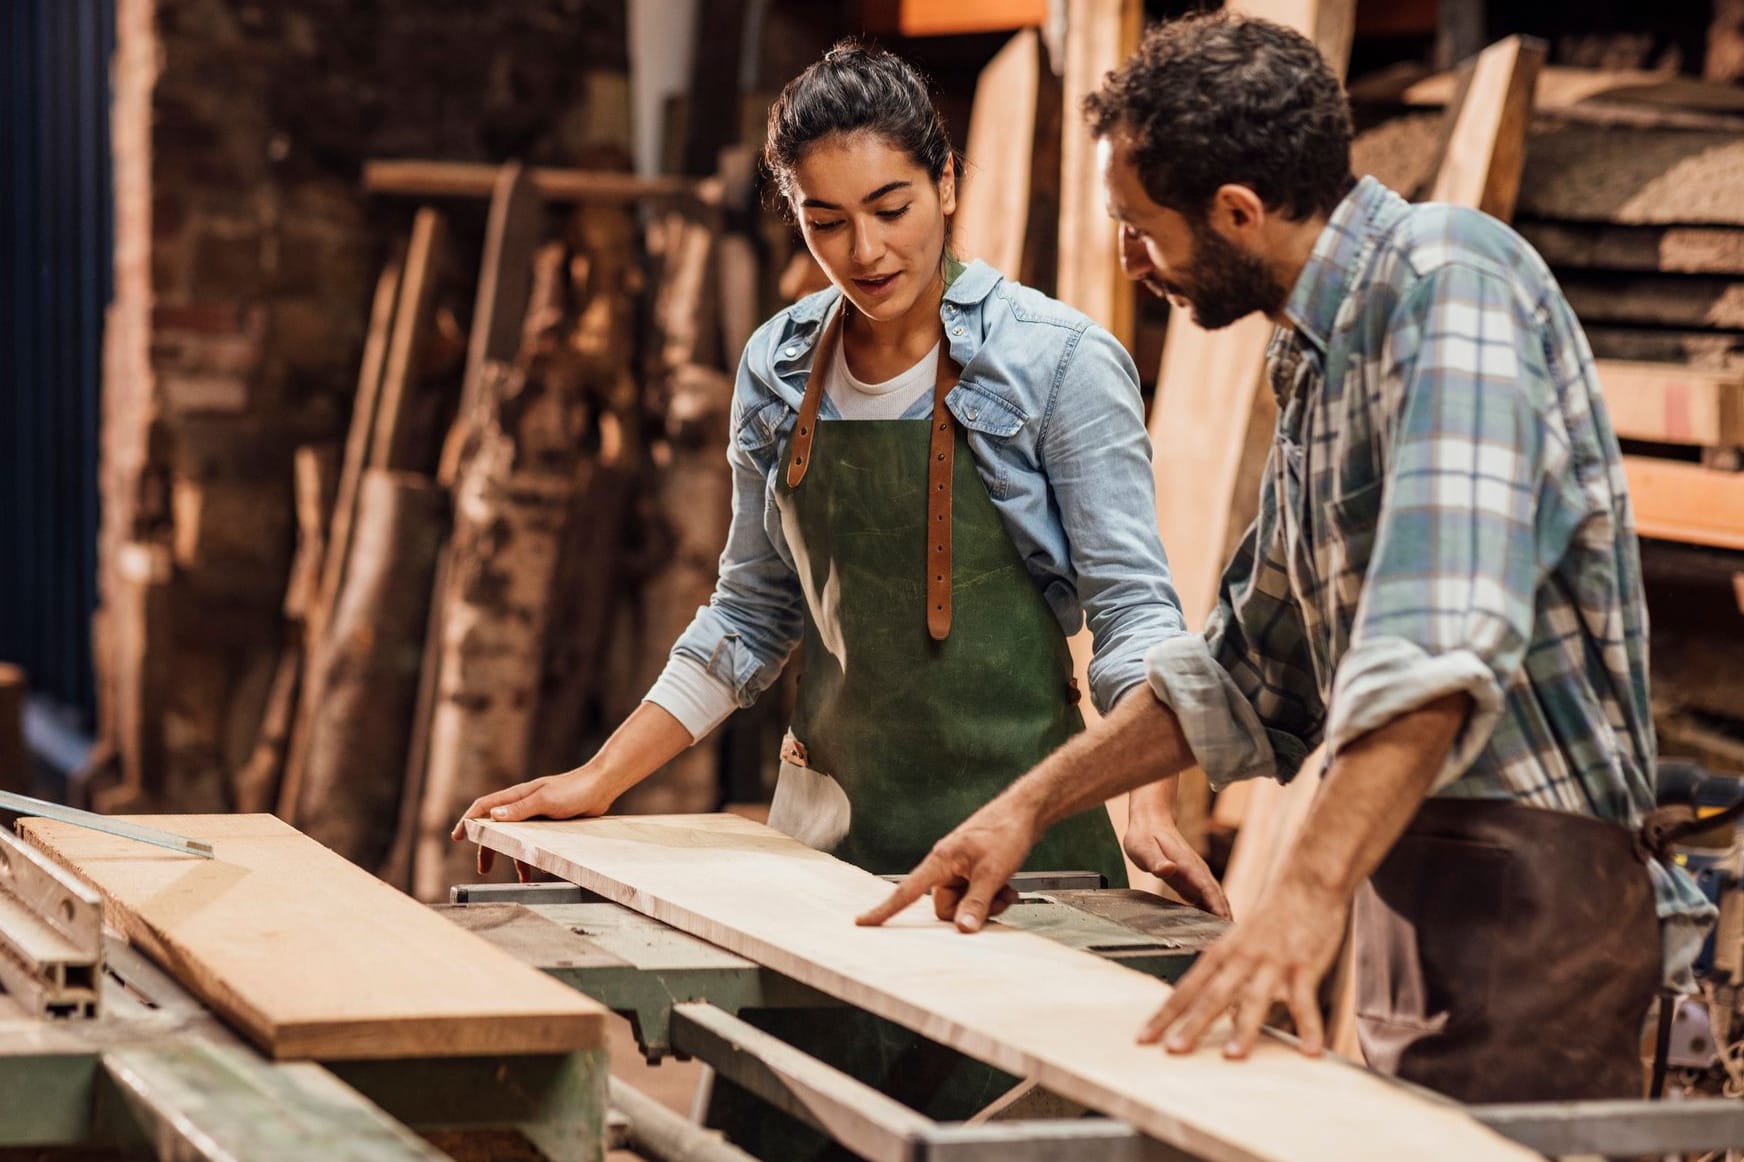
(1675, 501)
(1674, 404)
(1020, 1002)
(312, 957)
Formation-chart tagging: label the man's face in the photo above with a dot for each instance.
(1190, 263)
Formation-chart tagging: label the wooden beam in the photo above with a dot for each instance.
(1634, 177)
(957, 18)
(1675, 501)
(1100, 34)
(1656, 300)
(1673, 404)
(1645, 249)
(312, 957)
(459, 179)
(1018, 1001)
(1486, 146)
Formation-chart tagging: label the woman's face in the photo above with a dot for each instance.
(874, 221)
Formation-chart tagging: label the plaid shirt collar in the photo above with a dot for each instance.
(1337, 260)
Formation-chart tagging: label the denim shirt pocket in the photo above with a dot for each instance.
(997, 421)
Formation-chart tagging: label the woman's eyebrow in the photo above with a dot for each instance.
(887, 187)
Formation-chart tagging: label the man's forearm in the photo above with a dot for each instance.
(1138, 743)
(1373, 788)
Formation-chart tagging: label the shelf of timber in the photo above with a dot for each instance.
(1700, 500)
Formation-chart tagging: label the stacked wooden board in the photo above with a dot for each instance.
(1064, 1018)
(310, 956)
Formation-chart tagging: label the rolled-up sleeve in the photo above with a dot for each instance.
(754, 618)
(1098, 459)
(1245, 692)
(1478, 505)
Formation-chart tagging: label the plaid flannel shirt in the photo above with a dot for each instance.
(1444, 509)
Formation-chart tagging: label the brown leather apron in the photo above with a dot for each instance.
(1508, 953)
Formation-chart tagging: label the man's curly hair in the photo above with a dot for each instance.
(1220, 98)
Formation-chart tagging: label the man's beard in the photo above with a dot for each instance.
(1225, 283)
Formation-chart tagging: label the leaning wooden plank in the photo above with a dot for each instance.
(350, 794)
(929, 18)
(1675, 501)
(1673, 404)
(1486, 145)
(1011, 196)
(312, 957)
(390, 439)
(1018, 1001)
(1099, 35)
(517, 219)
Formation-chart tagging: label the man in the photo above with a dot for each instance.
(1442, 586)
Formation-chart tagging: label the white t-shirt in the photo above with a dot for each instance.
(889, 400)
(689, 692)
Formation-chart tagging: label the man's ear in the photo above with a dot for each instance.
(1237, 210)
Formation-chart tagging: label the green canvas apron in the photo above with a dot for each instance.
(901, 735)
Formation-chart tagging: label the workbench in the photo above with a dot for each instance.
(685, 996)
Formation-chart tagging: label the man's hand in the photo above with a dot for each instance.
(1159, 848)
(1155, 844)
(581, 792)
(1277, 954)
(969, 871)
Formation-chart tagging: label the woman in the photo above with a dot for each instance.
(966, 476)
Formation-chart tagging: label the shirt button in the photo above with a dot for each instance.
(970, 412)
(791, 352)
(956, 330)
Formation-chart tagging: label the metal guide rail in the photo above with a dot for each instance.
(684, 996)
(51, 935)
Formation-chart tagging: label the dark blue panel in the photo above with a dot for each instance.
(56, 279)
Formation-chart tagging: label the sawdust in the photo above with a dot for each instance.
(1634, 176)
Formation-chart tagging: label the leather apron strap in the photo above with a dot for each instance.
(939, 464)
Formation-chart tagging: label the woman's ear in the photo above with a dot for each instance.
(948, 188)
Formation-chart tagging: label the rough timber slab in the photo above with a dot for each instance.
(1020, 1002)
(311, 956)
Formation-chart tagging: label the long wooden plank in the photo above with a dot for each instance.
(1673, 404)
(1675, 501)
(1023, 1003)
(1100, 34)
(412, 323)
(312, 957)
(464, 179)
(1643, 249)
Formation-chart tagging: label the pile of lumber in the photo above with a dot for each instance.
(525, 513)
(1629, 193)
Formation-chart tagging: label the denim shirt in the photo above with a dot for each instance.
(1050, 405)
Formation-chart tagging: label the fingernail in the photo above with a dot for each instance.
(1176, 1043)
(970, 923)
(499, 812)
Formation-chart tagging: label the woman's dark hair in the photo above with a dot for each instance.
(856, 88)
(1222, 98)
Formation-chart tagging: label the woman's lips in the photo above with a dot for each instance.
(876, 286)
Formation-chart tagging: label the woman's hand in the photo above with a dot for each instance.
(585, 791)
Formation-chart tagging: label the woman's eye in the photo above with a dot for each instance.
(822, 227)
(893, 215)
